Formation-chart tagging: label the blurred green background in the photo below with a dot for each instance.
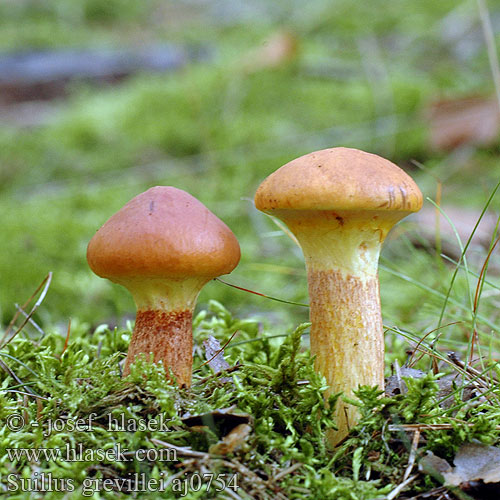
(256, 84)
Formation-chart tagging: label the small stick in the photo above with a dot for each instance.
(186, 452)
(396, 491)
(431, 427)
(290, 469)
(397, 372)
(413, 454)
(469, 369)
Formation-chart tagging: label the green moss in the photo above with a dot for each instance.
(79, 401)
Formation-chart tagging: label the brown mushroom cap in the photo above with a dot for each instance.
(163, 233)
(339, 179)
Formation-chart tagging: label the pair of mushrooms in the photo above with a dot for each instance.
(340, 203)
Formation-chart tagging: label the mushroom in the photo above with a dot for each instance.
(340, 203)
(163, 246)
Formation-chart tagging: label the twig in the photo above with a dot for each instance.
(413, 454)
(290, 469)
(428, 427)
(185, 452)
(475, 377)
(396, 491)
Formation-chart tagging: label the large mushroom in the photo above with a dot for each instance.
(163, 246)
(340, 204)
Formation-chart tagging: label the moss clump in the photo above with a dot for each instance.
(108, 437)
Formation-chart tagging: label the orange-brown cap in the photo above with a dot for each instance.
(339, 179)
(163, 233)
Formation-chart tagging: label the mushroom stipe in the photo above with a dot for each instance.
(163, 334)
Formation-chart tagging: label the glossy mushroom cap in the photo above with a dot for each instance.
(163, 246)
(339, 179)
(163, 233)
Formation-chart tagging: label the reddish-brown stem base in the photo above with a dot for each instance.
(168, 335)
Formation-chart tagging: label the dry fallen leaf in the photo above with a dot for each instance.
(476, 471)
(466, 121)
(215, 355)
(475, 462)
(231, 441)
(224, 419)
(447, 390)
(233, 427)
(434, 466)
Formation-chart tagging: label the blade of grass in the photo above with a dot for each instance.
(462, 256)
(46, 281)
(10, 372)
(261, 339)
(472, 273)
(477, 296)
(262, 294)
(27, 394)
(409, 362)
(18, 361)
(436, 293)
(31, 322)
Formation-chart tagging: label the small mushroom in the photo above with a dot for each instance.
(163, 246)
(340, 203)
